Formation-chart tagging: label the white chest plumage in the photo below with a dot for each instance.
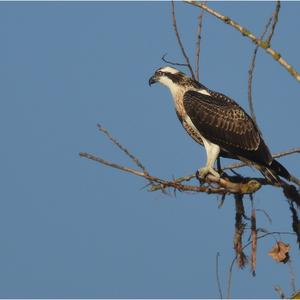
(186, 121)
(212, 150)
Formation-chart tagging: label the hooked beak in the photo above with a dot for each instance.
(153, 80)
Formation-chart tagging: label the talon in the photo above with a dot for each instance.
(202, 173)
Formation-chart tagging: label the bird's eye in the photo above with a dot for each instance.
(159, 73)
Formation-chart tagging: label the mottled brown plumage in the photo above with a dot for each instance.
(225, 123)
(219, 123)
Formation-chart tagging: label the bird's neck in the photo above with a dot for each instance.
(177, 95)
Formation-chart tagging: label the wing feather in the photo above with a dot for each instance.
(223, 122)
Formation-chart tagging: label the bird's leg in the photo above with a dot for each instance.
(219, 165)
(212, 152)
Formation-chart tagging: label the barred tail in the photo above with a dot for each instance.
(272, 173)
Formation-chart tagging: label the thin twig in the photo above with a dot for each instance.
(275, 20)
(292, 276)
(279, 291)
(179, 41)
(276, 155)
(221, 203)
(198, 40)
(218, 277)
(171, 62)
(250, 73)
(266, 214)
(230, 278)
(113, 165)
(131, 156)
(245, 32)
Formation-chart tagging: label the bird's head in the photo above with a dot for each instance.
(173, 79)
(168, 76)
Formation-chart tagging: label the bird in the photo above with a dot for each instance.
(220, 124)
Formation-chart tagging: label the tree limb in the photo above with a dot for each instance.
(224, 186)
(245, 32)
(215, 185)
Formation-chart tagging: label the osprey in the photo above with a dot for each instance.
(220, 124)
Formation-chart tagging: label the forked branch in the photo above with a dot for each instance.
(245, 32)
(212, 185)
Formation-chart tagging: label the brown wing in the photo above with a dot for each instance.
(223, 122)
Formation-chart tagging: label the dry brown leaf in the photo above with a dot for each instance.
(280, 252)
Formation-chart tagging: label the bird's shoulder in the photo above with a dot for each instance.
(214, 103)
(206, 95)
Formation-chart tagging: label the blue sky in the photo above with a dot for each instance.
(73, 228)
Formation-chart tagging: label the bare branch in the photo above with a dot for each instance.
(198, 40)
(276, 155)
(279, 292)
(171, 62)
(131, 156)
(216, 185)
(292, 276)
(250, 73)
(245, 32)
(112, 165)
(213, 185)
(266, 214)
(275, 20)
(179, 41)
(230, 279)
(224, 186)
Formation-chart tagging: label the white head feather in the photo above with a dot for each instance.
(169, 70)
